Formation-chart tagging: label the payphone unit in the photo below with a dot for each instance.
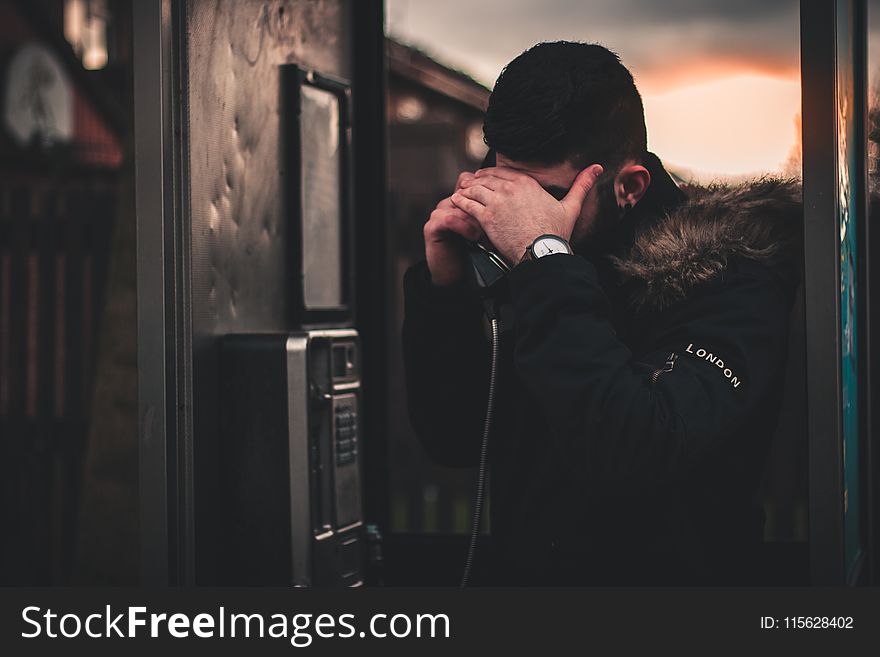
(290, 423)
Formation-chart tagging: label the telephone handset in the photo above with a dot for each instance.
(488, 273)
(488, 267)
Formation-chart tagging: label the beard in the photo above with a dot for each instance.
(599, 234)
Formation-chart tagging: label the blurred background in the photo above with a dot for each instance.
(68, 396)
(721, 83)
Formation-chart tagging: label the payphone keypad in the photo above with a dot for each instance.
(345, 425)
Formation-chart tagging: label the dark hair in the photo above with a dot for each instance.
(565, 101)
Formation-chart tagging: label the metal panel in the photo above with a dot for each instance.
(289, 460)
(235, 202)
(822, 291)
(298, 455)
(239, 274)
(212, 252)
(152, 73)
(833, 78)
(373, 278)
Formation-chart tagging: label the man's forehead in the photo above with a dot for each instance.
(561, 175)
(555, 178)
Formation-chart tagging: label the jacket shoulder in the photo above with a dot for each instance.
(753, 229)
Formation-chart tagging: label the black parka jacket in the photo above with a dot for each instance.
(638, 389)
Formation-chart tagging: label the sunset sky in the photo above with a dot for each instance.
(720, 79)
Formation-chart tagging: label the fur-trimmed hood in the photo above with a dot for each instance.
(760, 220)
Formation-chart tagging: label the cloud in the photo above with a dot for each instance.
(699, 64)
(664, 43)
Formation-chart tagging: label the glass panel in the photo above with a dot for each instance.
(848, 192)
(871, 249)
(722, 103)
(321, 194)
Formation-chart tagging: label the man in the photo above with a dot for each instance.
(641, 369)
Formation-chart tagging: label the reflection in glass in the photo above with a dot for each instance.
(847, 189)
(321, 199)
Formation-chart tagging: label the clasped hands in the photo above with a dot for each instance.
(513, 209)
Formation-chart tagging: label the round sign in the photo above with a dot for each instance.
(38, 104)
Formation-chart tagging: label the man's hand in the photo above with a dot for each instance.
(513, 209)
(444, 251)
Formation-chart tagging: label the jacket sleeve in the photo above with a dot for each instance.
(605, 415)
(446, 363)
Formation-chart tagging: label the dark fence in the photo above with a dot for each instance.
(54, 249)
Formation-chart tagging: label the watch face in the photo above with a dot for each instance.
(544, 246)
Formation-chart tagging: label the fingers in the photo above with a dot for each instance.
(580, 188)
(464, 225)
(452, 220)
(469, 205)
(477, 193)
(489, 182)
(463, 177)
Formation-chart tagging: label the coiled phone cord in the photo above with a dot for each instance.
(484, 451)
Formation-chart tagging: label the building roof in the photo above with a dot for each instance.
(416, 66)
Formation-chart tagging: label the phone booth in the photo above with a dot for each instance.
(251, 178)
(264, 276)
(841, 305)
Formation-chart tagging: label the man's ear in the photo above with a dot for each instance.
(630, 184)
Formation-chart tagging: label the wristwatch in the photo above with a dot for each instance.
(546, 245)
